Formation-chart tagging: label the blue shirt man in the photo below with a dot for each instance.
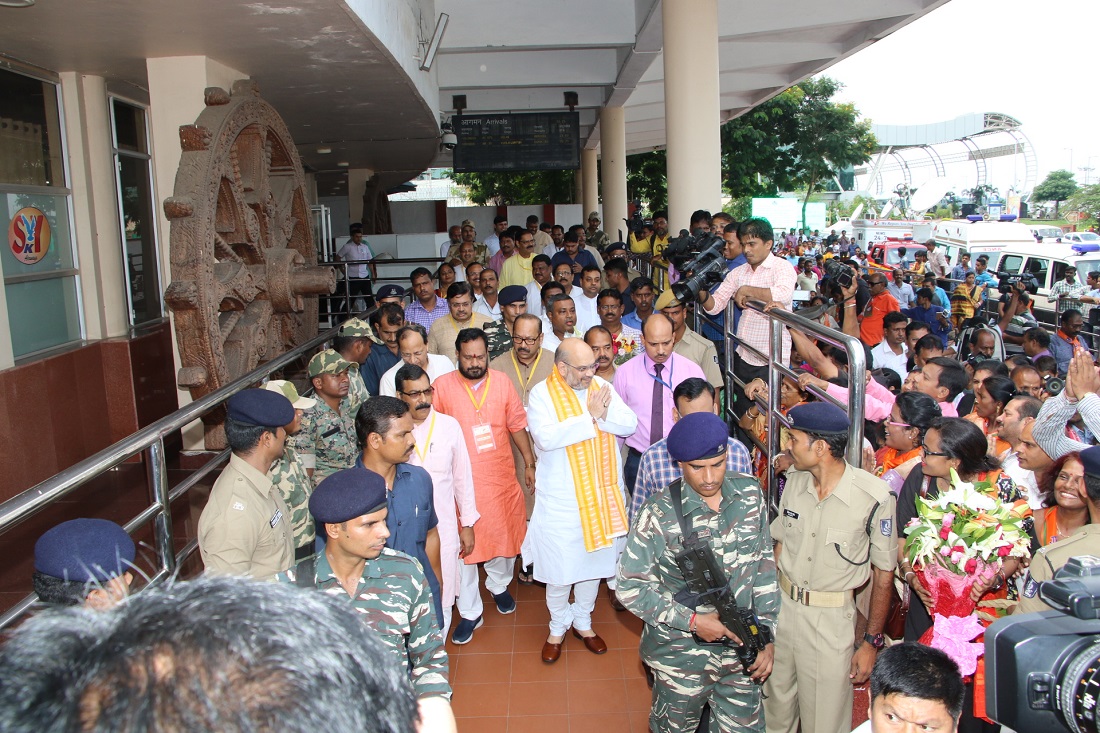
(377, 364)
(573, 255)
(937, 318)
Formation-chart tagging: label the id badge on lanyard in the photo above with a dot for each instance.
(482, 431)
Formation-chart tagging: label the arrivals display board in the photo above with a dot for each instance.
(537, 141)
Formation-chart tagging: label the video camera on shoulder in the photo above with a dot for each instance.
(839, 273)
(700, 260)
(1024, 281)
(1043, 668)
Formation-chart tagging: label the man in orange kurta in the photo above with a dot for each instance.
(487, 406)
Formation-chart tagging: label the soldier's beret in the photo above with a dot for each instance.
(513, 294)
(1090, 459)
(358, 328)
(819, 418)
(84, 549)
(328, 362)
(697, 436)
(390, 291)
(261, 407)
(347, 494)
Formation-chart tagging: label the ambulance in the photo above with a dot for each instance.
(977, 236)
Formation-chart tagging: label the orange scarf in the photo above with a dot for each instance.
(891, 458)
(594, 464)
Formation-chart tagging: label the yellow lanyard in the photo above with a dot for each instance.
(530, 376)
(455, 323)
(478, 405)
(427, 441)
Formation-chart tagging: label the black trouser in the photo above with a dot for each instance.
(356, 288)
(630, 469)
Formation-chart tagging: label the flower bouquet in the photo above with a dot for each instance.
(958, 540)
(624, 349)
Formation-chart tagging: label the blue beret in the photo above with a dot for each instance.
(698, 435)
(820, 418)
(512, 294)
(84, 549)
(1090, 459)
(347, 494)
(260, 407)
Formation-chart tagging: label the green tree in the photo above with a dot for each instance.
(646, 179)
(527, 187)
(979, 194)
(758, 157)
(1086, 200)
(830, 136)
(1057, 187)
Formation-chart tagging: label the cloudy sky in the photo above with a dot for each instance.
(1034, 61)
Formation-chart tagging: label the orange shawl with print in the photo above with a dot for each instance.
(594, 464)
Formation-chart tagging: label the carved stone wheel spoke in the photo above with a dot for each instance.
(244, 274)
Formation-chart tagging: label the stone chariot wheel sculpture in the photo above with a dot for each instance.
(244, 274)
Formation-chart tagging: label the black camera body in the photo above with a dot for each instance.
(1043, 668)
(700, 260)
(1009, 282)
(839, 273)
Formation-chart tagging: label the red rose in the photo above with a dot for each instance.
(971, 565)
(1003, 550)
(944, 532)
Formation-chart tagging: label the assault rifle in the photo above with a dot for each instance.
(707, 584)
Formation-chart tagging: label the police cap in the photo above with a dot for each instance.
(84, 549)
(260, 407)
(347, 494)
(697, 436)
(512, 294)
(1090, 459)
(819, 418)
(390, 291)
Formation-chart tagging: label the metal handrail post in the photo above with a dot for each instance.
(775, 403)
(728, 359)
(162, 525)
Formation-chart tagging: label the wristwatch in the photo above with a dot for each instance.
(876, 640)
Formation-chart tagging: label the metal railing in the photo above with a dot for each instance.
(340, 303)
(150, 441)
(778, 320)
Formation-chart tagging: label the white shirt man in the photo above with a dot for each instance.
(356, 248)
(574, 409)
(438, 365)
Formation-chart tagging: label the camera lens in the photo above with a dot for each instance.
(1080, 688)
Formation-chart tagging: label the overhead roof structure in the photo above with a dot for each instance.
(345, 76)
(516, 57)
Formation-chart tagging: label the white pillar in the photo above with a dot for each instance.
(176, 98)
(96, 232)
(692, 109)
(613, 167)
(357, 186)
(590, 185)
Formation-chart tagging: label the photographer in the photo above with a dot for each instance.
(1016, 318)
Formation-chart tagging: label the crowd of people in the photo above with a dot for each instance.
(536, 409)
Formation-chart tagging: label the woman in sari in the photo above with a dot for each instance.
(755, 423)
(990, 397)
(913, 414)
(445, 275)
(966, 300)
(954, 443)
(1064, 509)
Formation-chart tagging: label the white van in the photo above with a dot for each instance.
(1045, 232)
(980, 237)
(1048, 263)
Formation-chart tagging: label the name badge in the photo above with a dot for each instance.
(483, 438)
(275, 518)
(790, 513)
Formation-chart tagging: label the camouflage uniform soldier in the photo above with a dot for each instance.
(728, 508)
(353, 342)
(289, 474)
(326, 442)
(513, 303)
(386, 586)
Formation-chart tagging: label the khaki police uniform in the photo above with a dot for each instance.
(1048, 560)
(702, 352)
(827, 552)
(245, 527)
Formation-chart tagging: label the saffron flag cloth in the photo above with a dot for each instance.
(594, 465)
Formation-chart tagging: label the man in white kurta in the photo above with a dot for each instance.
(441, 450)
(559, 541)
(412, 347)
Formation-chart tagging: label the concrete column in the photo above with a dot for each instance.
(357, 186)
(97, 236)
(692, 109)
(176, 87)
(578, 186)
(613, 167)
(590, 184)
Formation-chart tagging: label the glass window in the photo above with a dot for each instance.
(136, 212)
(1038, 267)
(30, 132)
(1011, 264)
